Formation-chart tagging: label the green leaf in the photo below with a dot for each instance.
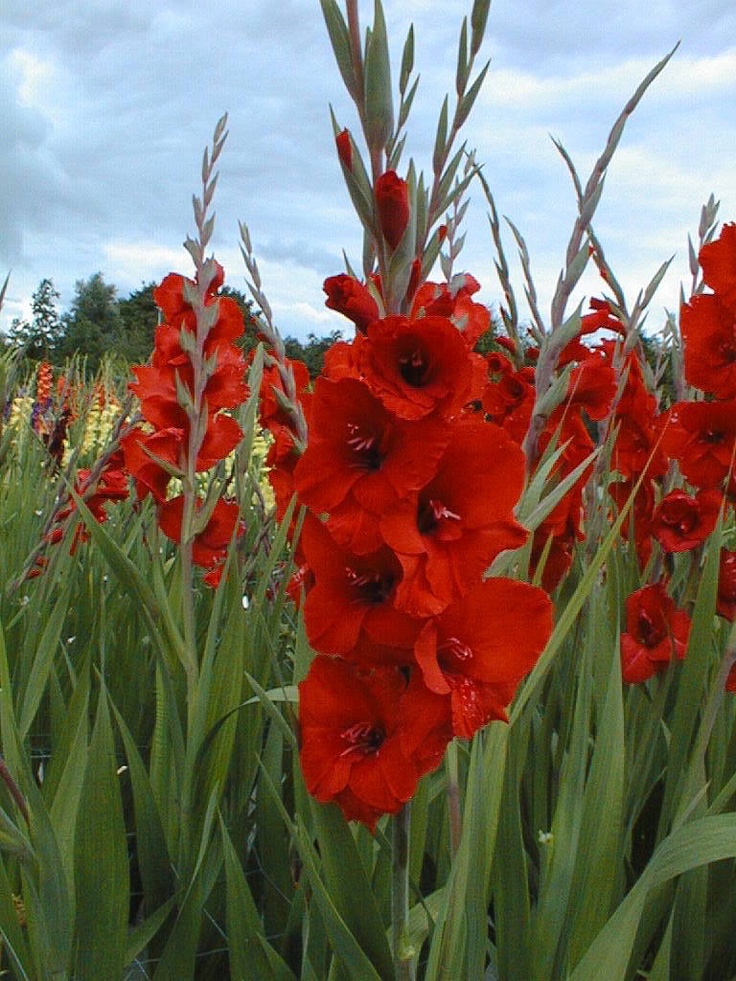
(440, 139)
(349, 887)
(73, 753)
(471, 95)
(252, 958)
(478, 20)
(159, 617)
(140, 936)
(45, 889)
(461, 927)
(42, 661)
(179, 956)
(597, 859)
(379, 112)
(461, 72)
(343, 941)
(407, 60)
(154, 862)
(341, 938)
(700, 842)
(13, 938)
(340, 41)
(101, 861)
(684, 775)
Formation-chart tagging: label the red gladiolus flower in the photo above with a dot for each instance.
(416, 367)
(177, 310)
(702, 437)
(641, 514)
(655, 633)
(352, 299)
(156, 386)
(361, 460)
(709, 334)
(731, 680)
(554, 540)
(111, 485)
(351, 601)
(718, 262)
(509, 400)
(592, 387)
(210, 545)
(271, 410)
(366, 737)
(448, 534)
(601, 317)
(681, 523)
(726, 602)
(453, 300)
(392, 204)
(636, 448)
(152, 459)
(566, 429)
(479, 649)
(156, 392)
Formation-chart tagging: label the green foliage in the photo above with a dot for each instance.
(93, 324)
(313, 352)
(138, 317)
(39, 338)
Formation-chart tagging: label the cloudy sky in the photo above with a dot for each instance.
(106, 106)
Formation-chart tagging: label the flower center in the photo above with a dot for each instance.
(414, 367)
(727, 350)
(682, 520)
(370, 587)
(430, 514)
(452, 650)
(649, 632)
(712, 436)
(362, 738)
(364, 445)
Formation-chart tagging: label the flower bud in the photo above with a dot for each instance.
(392, 202)
(352, 299)
(345, 149)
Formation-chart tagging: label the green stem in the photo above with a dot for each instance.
(402, 951)
(453, 797)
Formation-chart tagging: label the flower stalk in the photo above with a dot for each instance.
(403, 952)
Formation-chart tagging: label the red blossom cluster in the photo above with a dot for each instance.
(278, 415)
(196, 372)
(410, 496)
(52, 411)
(105, 484)
(700, 435)
(509, 398)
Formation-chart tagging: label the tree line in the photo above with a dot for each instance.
(99, 324)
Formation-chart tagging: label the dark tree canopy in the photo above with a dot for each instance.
(138, 316)
(313, 352)
(93, 325)
(99, 323)
(39, 338)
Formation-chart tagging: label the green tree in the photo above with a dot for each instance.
(313, 352)
(38, 338)
(93, 326)
(138, 318)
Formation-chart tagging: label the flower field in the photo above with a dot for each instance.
(422, 669)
